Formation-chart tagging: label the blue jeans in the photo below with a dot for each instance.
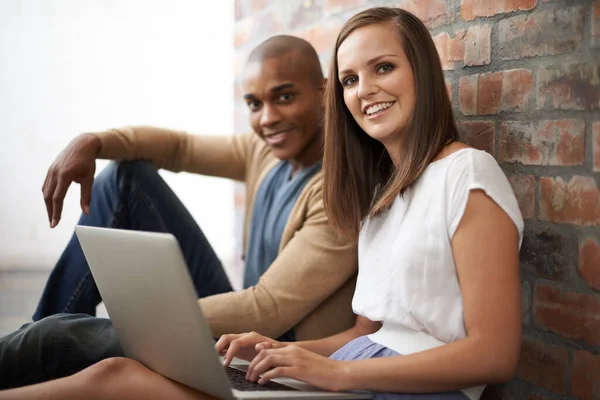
(65, 337)
(130, 196)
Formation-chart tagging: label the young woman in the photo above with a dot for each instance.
(438, 294)
(439, 231)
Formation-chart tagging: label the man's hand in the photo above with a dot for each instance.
(244, 345)
(76, 163)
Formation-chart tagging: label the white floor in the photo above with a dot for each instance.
(20, 292)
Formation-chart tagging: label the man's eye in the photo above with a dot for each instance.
(350, 80)
(285, 97)
(385, 68)
(253, 105)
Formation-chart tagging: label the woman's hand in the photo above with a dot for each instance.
(244, 345)
(295, 362)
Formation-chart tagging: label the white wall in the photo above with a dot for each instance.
(70, 66)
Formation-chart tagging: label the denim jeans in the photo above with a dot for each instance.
(66, 337)
(130, 196)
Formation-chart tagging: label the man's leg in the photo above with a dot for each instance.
(55, 347)
(114, 378)
(130, 196)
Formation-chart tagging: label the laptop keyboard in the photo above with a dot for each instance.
(238, 381)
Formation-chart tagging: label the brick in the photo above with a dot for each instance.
(442, 46)
(477, 48)
(306, 13)
(479, 134)
(550, 253)
(332, 6)
(472, 47)
(596, 145)
(321, 36)
(489, 96)
(585, 376)
(596, 23)
(433, 13)
(467, 94)
(456, 46)
(589, 262)
(569, 314)
(524, 188)
(470, 9)
(503, 91)
(449, 89)
(516, 87)
(568, 87)
(558, 142)
(575, 202)
(544, 365)
(541, 33)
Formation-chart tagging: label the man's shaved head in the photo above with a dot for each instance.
(295, 49)
(283, 87)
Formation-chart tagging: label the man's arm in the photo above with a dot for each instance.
(222, 156)
(312, 266)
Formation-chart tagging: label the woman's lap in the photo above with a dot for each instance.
(362, 348)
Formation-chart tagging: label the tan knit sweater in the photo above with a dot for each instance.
(310, 284)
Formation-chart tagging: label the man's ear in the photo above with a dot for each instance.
(323, 84)
(322, 91)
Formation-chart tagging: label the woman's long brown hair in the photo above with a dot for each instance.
(360, 179)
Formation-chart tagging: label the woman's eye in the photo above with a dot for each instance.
(385, 68)
(349, 81)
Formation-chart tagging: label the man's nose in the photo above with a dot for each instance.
(269, 116)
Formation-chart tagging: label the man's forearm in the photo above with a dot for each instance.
(161, 146)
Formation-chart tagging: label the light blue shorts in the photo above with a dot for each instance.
(362, 348)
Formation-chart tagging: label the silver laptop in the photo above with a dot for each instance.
(151, 301)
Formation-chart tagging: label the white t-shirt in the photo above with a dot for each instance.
(407, 276)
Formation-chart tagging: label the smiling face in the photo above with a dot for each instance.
(285, 106)
(378, 82)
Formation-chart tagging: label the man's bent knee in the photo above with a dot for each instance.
(111, 173)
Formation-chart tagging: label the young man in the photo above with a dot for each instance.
(299, 276)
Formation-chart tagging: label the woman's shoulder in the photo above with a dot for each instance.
(461, 168)
(461, 159)
(469, 169)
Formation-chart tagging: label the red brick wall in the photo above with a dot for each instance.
(524, 77)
